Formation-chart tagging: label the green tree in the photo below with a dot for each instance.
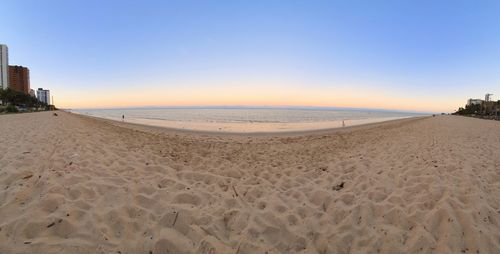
(469, 110)
(15, 98)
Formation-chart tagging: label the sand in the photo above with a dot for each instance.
(73, 184)
(254, 127)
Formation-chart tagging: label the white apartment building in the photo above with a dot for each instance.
(43, 95)
(4, 66)
(474, 102)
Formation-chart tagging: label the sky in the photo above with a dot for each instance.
(426, 56)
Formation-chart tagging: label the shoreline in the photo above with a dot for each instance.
(279, 133)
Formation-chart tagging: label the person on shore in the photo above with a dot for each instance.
(123, 118)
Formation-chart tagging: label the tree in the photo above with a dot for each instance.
(15, 98)
(469, 110)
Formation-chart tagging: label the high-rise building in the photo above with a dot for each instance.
(4, 66)
(43, 95)
(19, 79)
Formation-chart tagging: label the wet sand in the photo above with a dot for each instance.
(255, 127)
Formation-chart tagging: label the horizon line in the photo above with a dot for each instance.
(253, 107)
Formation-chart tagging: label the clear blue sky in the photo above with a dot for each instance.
(410, 55)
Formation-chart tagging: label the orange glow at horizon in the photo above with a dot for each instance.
(249, 96)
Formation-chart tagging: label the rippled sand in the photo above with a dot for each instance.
(73, 184)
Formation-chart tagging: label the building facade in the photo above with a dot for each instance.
(474, 102)
(4, 66)
(19, 79)
(43, 95)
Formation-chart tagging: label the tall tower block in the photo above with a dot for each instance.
(4, 66)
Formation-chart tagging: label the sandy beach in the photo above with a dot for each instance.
(253, 127)
(74, 184)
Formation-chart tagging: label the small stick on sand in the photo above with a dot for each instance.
(204, 230)
(27, 177)
(235, 191)
(208, 233)
(175, 219)
(238, 249)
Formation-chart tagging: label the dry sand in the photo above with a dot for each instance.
(72, 184)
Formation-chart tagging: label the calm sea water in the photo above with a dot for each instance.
(243, 115)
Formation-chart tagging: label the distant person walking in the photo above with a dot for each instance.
(123, 118)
